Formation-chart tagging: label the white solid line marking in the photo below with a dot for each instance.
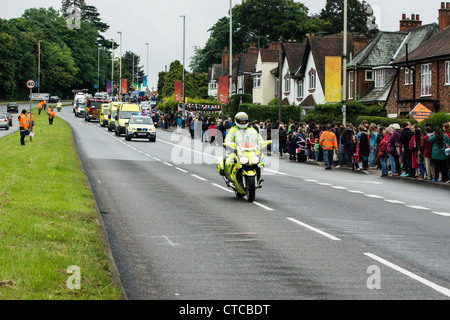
(169, 164)
(182, 170)
(445, 214)
(314, 229)
(199, 178)
(223, 188)
(418, 207)
(374, 196)
(432, 285)
(395, 201)
(263, 206)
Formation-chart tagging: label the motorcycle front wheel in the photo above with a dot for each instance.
(251, 188)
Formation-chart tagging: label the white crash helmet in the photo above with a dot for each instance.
(241, 120)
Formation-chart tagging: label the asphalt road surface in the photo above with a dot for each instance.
(177, 233)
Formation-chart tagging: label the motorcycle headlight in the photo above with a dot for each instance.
(243, 160)
(255, 160)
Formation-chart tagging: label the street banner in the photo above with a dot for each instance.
(223, 89)
(333, 79)
(124, 86)
(144, 81)
(108, 86)
(420, 113)
(178, 91)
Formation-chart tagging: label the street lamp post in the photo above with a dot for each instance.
(98, 71)
(112, 68)
(230, 81)
(39, 67)
(120, 72)
(184, 53)
(344, 61)
(147, 65)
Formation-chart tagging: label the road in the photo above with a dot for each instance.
(177, 234)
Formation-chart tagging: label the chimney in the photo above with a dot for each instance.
(225, 59)
(414, 22)
(444, 15)
(252, 49)
(274, 45)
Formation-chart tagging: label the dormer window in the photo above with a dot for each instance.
(380, 78)
(312, 80)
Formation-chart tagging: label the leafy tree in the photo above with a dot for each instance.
(358, 17)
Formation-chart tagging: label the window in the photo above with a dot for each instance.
(351, 84)
(300, 93)
(409, 76)
(312, 80)
(369, 75)
(426, 80)
(447, 73)
(257, 81)
(287, 84)
(213, 85)
(379, 78)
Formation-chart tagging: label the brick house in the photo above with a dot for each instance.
(370, 73)
(246, 69)
(423, 76)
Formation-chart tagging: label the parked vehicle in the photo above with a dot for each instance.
(114, 106)
(12, 106)
(124, 114)
(4, 122)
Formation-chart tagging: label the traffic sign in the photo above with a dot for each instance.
(31, 84)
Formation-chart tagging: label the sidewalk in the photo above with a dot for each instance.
(349, 169)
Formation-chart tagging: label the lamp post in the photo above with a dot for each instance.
(344, 61)
(230, 82)
(39, 66)
(112, 68)
(120, 72)
(147, 65)
(184, 53)
(98, 71)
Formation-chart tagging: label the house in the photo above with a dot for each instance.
(293, 57)
(246, 69)
(423, 76)
(264, 80)
(226, 72)
(370, 73)
(310, 78)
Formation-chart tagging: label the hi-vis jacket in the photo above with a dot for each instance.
(328, 141)
(23, 122)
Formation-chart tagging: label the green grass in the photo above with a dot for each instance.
(48, 220)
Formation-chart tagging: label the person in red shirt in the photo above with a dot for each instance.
(427, 148)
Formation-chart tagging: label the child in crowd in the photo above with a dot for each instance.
(316, 148)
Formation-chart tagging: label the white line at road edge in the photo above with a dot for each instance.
(430, 284)
(314, 229)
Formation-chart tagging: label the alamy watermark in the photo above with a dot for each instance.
(74, 18)
(74, 281)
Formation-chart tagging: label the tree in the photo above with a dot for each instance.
(358, 17)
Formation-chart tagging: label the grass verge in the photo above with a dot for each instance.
(48, 221)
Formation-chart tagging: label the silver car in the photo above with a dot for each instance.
(4, 121)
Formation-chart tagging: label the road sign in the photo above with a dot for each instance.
(31, 84)
(40, 96)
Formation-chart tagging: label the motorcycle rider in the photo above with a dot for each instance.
(59, 106)
(241, 126)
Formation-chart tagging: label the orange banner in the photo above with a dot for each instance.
(124, 86)
(178, 91)
(223, 89)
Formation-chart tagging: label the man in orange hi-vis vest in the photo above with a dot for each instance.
(23, 125)
(328, 142)
(51, 115)
(40, 106)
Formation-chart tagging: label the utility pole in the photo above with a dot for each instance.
(120, 73)
(230, 82)
(39, 67)
(184, 73)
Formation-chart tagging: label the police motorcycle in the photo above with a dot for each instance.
(242, 169)
(59, 106)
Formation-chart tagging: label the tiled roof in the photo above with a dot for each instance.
(388, 46)
(214, 72)
(375, 95)
(435, 47)
(294, 54)
(269, 55)
(247, 63)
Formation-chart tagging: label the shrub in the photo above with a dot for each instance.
(436, 120)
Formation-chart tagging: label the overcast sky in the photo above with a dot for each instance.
(158, 22)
